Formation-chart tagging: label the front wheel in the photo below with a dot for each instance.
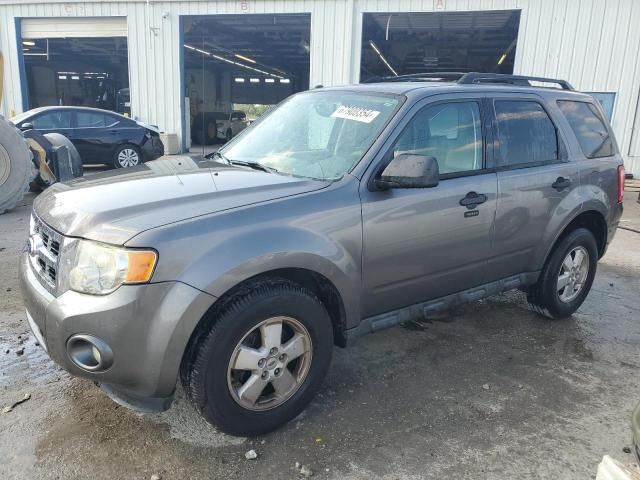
(261, 360)
(567, 276)
(127, 156)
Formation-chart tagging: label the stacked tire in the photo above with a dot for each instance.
(16, 165)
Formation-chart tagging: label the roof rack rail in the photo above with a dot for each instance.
(420, 77)
(521, 80)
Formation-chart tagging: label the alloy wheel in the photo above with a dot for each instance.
(573, 274)
(269, 364)
(128, 157)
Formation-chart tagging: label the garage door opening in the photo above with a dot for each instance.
(236, 67)
(72, 63)
(396, 44)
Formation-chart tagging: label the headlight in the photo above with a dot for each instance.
(98, 268)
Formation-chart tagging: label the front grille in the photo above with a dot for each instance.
(44, 250)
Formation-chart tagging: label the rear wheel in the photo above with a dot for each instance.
(127, 156)
(262, 359)
(567, 276)
(229, 134)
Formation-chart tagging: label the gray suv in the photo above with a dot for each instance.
(341, 212)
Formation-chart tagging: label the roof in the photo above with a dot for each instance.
(449, 82)
(33, 111)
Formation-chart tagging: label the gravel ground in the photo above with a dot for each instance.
(489, 390)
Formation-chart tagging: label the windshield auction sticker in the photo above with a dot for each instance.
(355, 113)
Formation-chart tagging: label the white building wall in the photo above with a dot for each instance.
(594, 44)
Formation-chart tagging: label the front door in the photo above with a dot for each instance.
(238, 122)
(534, 176)
(54, 121)
(421, 244)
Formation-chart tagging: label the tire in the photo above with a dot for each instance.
(59, 140)
(228, 135)
(206, 372)
(547, 297)
(211, 133)
(16, 165)
(126, 156)
(197, 137)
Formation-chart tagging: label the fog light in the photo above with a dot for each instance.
(89, 353)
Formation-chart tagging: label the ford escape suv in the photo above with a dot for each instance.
(343, 211)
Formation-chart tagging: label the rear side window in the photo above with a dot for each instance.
(93, 120)
(526, 134)
(589, 128)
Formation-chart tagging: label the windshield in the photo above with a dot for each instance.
(316, 134)
(21, 116)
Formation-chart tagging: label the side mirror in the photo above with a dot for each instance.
(409, 171)
(26, 126)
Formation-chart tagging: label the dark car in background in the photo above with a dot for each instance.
(99, 135)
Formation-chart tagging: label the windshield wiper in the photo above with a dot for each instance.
(241, 163)
(254, 165)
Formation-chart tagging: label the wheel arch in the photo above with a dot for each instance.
(316, 282)
(594, 221)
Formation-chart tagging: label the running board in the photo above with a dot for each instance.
(424, 309)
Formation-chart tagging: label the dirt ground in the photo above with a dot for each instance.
(489, 390)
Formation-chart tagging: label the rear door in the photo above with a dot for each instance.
(92, 137)
(534, 177)
(423, 243)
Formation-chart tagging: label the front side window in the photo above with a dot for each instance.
(52, 120)
(588, 127)
(450, 132)
(315, 134)
(525, 132)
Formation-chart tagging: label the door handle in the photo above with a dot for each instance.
(561, 183)
(473, 199)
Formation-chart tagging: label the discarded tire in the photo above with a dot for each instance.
(59, 140)
(15, 165)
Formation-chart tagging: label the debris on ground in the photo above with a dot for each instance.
(8, 408)
(486, 386)
(626, 450)
(20, 351)
(251, 455)
(155, 476)
(305, 471)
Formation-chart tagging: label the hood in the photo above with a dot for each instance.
(114, 206)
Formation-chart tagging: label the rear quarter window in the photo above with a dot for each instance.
(589, 128)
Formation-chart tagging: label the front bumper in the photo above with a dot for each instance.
(153, 148)
(146, 326)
